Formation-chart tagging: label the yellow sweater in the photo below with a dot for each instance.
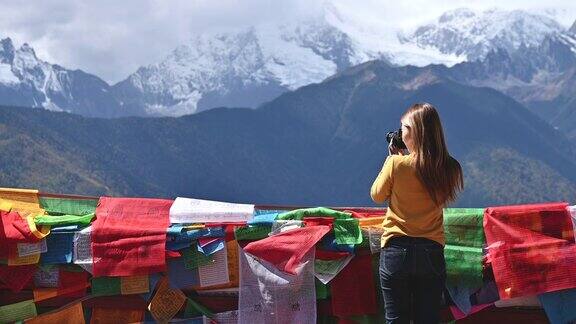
(411, 210)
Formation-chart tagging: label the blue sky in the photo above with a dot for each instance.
(112, 38)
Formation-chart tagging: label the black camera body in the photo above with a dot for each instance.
(396, 139)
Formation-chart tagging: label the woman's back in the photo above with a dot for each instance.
(411, 211)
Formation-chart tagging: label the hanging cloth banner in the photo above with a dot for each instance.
(68, 206)
(189, 210)
(351, 296)
(268, 295)
(531, 248)
(299, 214)
(129, 236)
(465, 239)
(287, 249)
(23, 201)
(69, 314)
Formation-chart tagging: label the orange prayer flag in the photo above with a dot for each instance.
(72, 314)
(116, 315)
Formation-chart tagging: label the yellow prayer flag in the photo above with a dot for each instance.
(23, 201)
(134, 285)
(166, 302)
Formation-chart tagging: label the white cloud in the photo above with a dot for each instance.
(112, 38)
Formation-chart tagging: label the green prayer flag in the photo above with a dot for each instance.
(18, 311)
(252, 233)
(194, 258)
(464, 232)
(322, 290)
(194, 309)
(347, 231)
(84, 220)
(106, 286)
(299, 214)
(68, 206)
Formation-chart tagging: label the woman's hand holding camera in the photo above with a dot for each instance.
(394, 150)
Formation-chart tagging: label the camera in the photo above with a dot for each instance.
(396, 139)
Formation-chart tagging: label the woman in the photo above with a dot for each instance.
(418, 185)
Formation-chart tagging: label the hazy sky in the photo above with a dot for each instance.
(112, 38)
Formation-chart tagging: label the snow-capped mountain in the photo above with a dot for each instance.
(26, 80)
(243, 68)
(254, 65)
(517, 51)
(475, 34)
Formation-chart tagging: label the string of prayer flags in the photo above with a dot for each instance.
(188, 210)
(129, 236)
(269, 295)
(166, 301)
(18, 311)
(531, 248)
(69, 314)
(299, 214)
(286, 250)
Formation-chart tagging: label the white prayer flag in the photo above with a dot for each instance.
(269, 295)
(189, 210)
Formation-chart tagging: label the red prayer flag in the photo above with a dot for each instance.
(14, 228)
(531, 248)
(16, 277)
(351, 296)
(129, 236)
(287, 249)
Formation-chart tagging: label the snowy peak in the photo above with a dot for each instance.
(572, 30)
(26, 80)
(475, 34)
(6, 51)
(218, 69)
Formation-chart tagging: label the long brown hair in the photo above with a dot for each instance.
(439, 172)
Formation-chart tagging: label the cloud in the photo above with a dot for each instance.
(112, 38)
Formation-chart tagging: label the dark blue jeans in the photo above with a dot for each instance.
(412, 276)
